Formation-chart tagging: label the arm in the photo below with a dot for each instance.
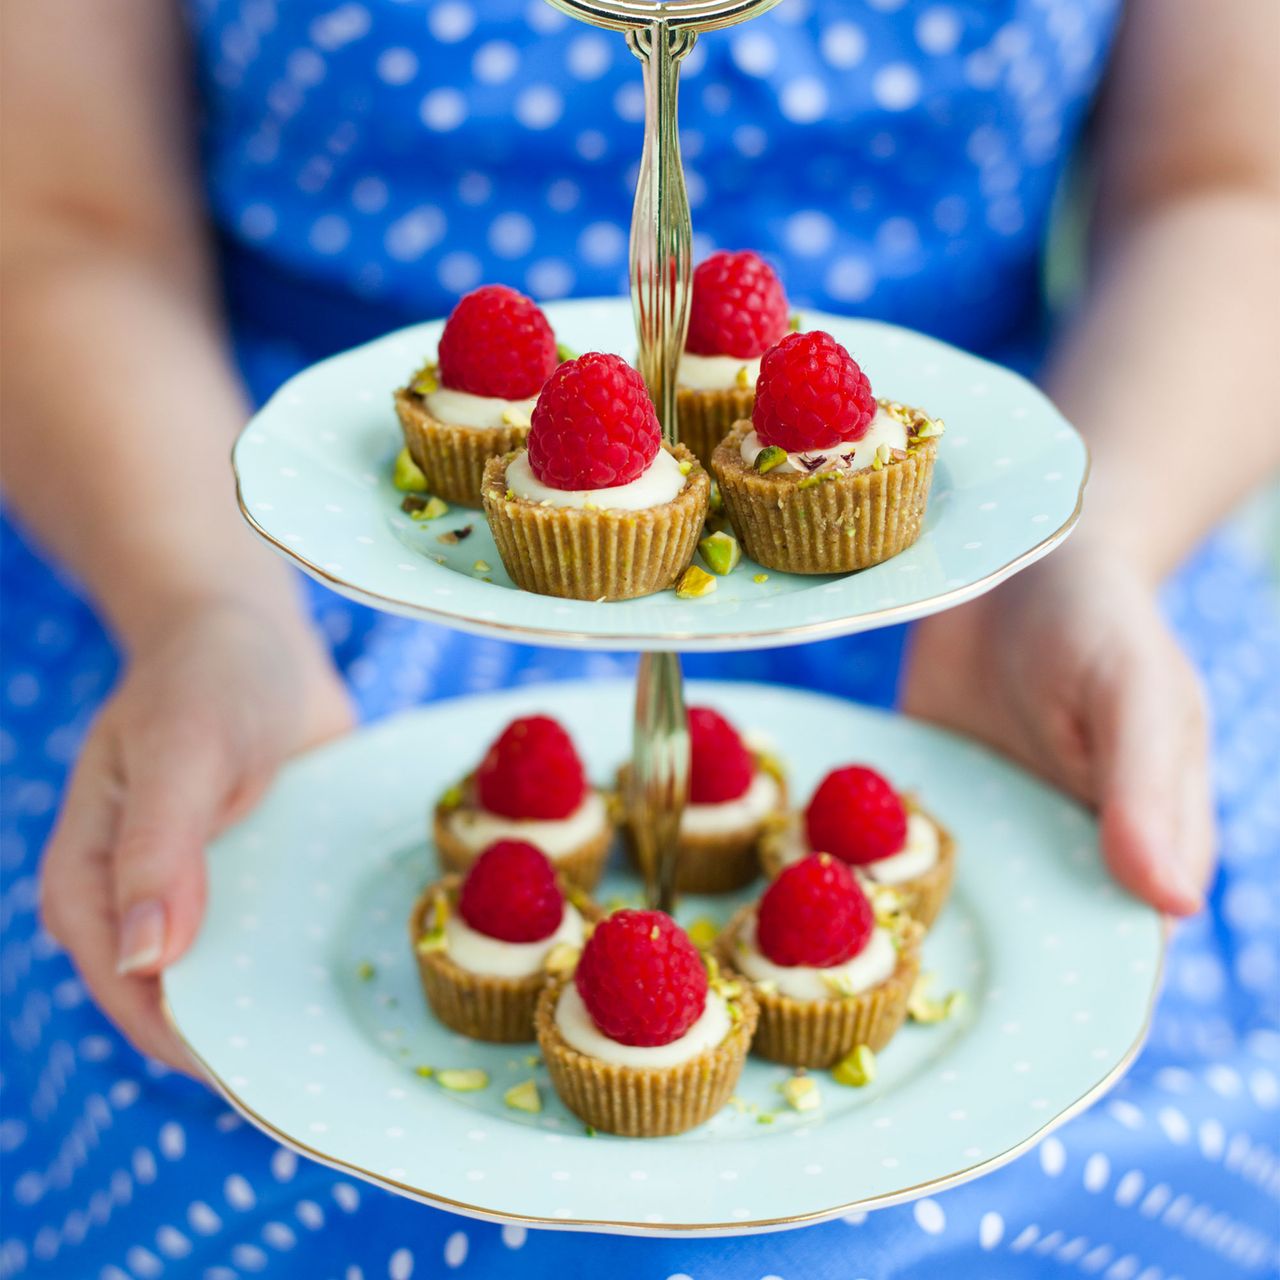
(119, 413)
(1169, 369)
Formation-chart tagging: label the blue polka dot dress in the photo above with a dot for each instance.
(365, 162)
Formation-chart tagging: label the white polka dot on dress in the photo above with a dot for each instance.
(843, 45)
(495, 62)
(896, 87)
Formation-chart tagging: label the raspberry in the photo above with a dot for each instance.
(720, 766)
(511, 893)
(531, 771)
(814, 914)
(497, 342)
(641, 978)
(857, 816)
(738, 307)
(811, 394)
(593, 426)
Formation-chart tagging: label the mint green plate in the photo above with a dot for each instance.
(1060, 969)
(314, 477)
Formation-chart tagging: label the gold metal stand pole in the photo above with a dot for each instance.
(659, 773)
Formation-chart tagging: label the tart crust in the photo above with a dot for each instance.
(819, 1033)
(480, 1005)
(582, 866)
(643, 1102)
(706, 417)
(799, 524)
(596, 554)
(710, 863)
(452, 457)
(922, 896)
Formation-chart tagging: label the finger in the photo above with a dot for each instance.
(176, 791)
(1151, 786)
(76, 899)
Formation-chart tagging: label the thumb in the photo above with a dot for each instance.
(171, 808)
(1152, 786)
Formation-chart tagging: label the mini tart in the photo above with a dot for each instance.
(828, 522)
(717, 863)
(645, 1102)
(452, 457)
(921, 897)
(594, 553)
(706, 417)
(480, 1005)
(582, 866)
(819, 1033)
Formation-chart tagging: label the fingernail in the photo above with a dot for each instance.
(141, 937)
(1186, 887)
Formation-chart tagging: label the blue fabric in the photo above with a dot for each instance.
(365, 163)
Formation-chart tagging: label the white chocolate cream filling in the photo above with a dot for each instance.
(851, 455)
(478, 828)
(463, 409)
(919, 852)
(716, 373)
(659, 483)
(731, 816)
(870, 967)
(575, 1024)
(493, 957)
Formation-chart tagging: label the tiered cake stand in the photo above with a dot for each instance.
(300, 996)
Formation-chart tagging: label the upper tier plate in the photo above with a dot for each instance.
(313, 469)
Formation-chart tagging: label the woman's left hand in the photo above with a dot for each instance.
(1070, 670)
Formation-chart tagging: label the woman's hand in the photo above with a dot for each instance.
(206, 714)
(1070, 669)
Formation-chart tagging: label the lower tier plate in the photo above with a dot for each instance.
(301, 999)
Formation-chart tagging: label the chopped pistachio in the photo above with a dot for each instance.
(703, 932)
(685, 467)
(882, 458)
(481, 566)
(695, 583)
(451, 797)
(524, 1097)
(509, 496)
(767, 986)
(922, 1007)
(765, 1117)
(562, 959)
(715, 504)
(839, 984)
(801, 1093)
(427, 379)
(857, 1069)
(412, 503)
(406, 475)
(432, 509)
(930, 429)
(886, 903)
(533, 1060)
(514, 418)
(463, 1079)
(795, 322)
(589, 1130)
(817, 478)
(743, 379)
(365, 971)
(425, 1072)
(565, 352)
(453, 536)
(721, 553)
(432, 940)
(654, 933)
(760, 577)
(772, 455)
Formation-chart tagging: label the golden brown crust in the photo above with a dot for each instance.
(706, 417)
(643, 1102)
(596, 554)
(922, 897)
(452, 457)
(819, 1033)
(838, 525)
(484, 1007)
(710, 863)
(582, 866)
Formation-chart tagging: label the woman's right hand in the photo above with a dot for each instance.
(208, 711)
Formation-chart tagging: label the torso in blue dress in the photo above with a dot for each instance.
(365, 163)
